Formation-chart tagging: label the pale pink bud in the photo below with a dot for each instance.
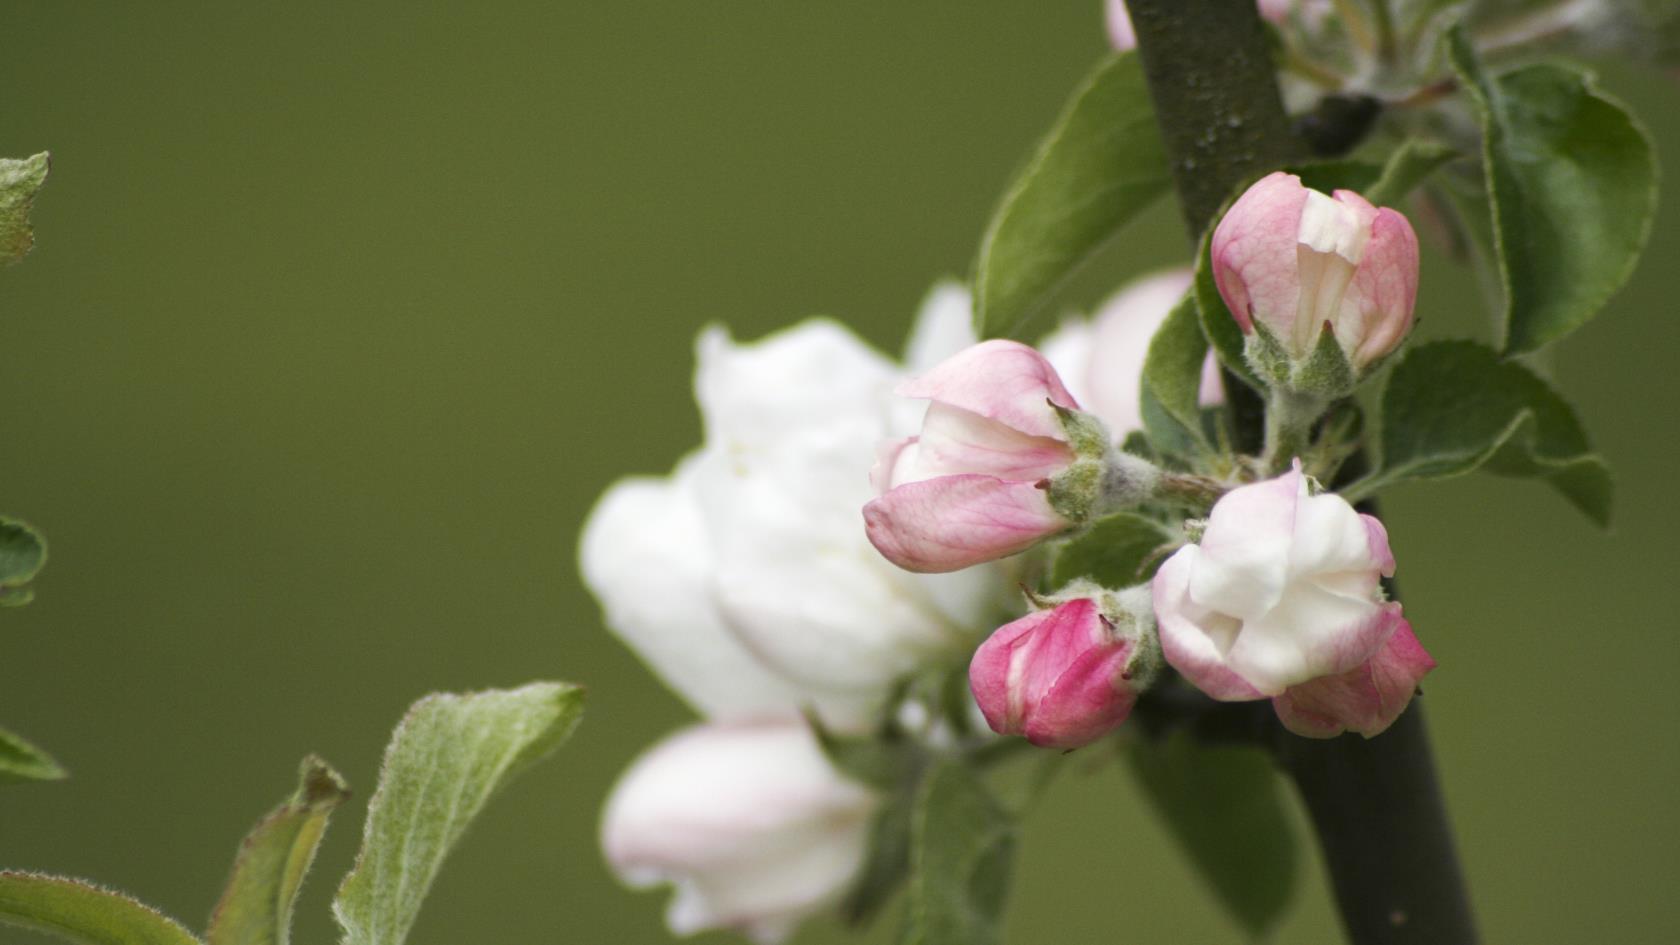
(1366, 699)
(1294, 260)
(1283, 588)
(1063, 677)
(975, 484)
(748, 820)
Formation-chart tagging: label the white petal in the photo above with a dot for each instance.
(1244, 564)
(645, 556)
(944, 326)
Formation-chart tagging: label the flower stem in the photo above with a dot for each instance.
(1289, 421)
(1375, 804)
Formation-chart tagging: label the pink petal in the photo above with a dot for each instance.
(1001, 380)
(1366, 699)
(992, 672)
(1254, 254)
(1244, 564)
(953, 522)
(1085, 701)
(1383, 291)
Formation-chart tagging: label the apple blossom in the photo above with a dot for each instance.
(1283, 588)
(1101, 359)
(1004, 460)
(743, 578)
(1366, 699)
(748, 820)
(1067, 675)
(1323, 286)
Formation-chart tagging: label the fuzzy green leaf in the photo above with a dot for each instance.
(23, 552)
(19, 181)
(1223, 806)
(962, 848)
(446, 758)
(256, 906)
(1453, 406)
(1409, 165)
(1172, 380)
(1115, 552)
(21, 761)
(1101, 165)
(81, 912)
(1573, 183)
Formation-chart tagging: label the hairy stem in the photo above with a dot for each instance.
(1375, 804)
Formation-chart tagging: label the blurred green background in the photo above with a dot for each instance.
(342, 315)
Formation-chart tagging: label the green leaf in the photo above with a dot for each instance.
(446, 758)
(256, 907)
(1409, 165)
(1452, 406)
(21, 761)
(1573, 181)
(1222, 805)
(962, 848)
(1172, 380)
(83, 913)
(22, 554)
(19, 181)
(1101, 165)
(888, 860)
(1115, 552)
(1345, 174)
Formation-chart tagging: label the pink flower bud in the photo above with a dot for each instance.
(1366, 699)
(1282, 589)
(975, 485)
(1064, 677)
(1292, 261)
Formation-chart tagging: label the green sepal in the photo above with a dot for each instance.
(1326, 373)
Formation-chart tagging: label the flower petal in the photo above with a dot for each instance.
(1245, 550)
(1194, 639)
(1001, 380)
(1254, 254)
(1366, 699)
(956, 521)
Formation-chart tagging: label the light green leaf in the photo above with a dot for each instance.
(1115, 552)
(1452, 406)
(445, 760)
(1223, 806)
(256, 907)
(83, 913)
(1172, 380)
(1101, 164)
(21, 761)
(23, 552)
(19, 180)
(1573, 181)
(962, 849)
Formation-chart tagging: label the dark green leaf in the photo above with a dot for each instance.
(1223, 806)
(1573, 182)
(962, 848)
(19, 180)
(1115, 552)
(21, 761)
(888, 860)
(83, 913)
(445, 760)
(256, 907)
(1452, 406)
(1101, 164)
(22, 554)
(1172, 380)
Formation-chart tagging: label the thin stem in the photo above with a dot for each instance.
(1289, 422)
(1374, 804)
